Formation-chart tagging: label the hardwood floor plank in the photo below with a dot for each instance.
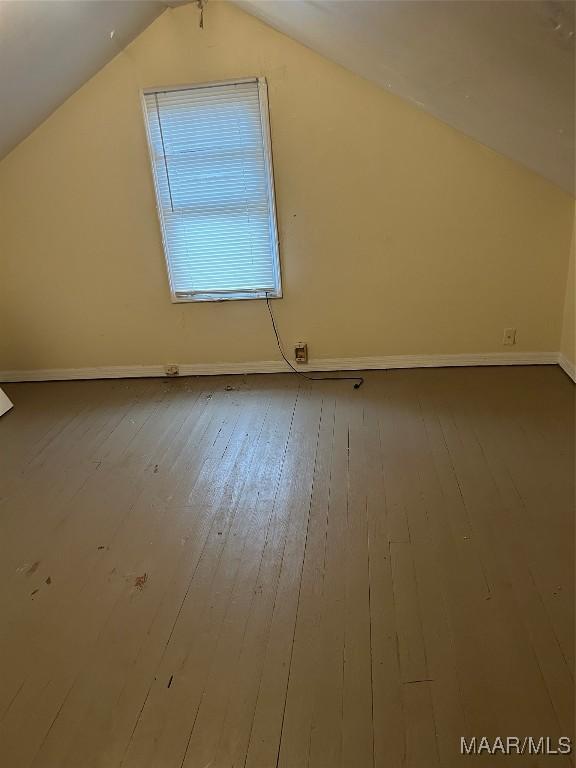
(263, 572)
(387, 720)
(357, 725)
(295, 737)
(413, 665)
(421, 747)
(293, 497)
(518, 690)
(161, 734)
(326, 734)
(160, 533)
(257, 502)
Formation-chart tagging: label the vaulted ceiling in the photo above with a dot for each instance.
(501, 71)
(49, 48)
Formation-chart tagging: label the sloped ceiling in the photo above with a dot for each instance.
(49, 48)
(501, 71)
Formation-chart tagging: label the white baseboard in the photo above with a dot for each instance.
(568, 367)
(279, 366)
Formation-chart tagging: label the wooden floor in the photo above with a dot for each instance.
(259, 572)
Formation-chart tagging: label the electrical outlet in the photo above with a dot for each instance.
(171, 369)
(509, 336)
(301, 352)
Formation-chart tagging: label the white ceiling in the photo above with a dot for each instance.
(501, 71)
(49, 48)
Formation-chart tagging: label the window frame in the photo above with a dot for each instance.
(179, 297)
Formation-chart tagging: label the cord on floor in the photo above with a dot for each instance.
(358, 379)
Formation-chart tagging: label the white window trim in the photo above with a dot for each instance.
(178, 297)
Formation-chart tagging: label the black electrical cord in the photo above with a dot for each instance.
(358, 379)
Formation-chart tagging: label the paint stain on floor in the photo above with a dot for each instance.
(140, 581)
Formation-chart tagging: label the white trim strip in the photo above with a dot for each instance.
(568, 367)
(278, 366)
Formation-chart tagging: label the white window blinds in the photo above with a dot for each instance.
(210, 150)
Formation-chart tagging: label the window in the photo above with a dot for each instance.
(210, 152)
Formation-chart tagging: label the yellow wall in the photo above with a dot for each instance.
(568, 342)
(398, 234)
